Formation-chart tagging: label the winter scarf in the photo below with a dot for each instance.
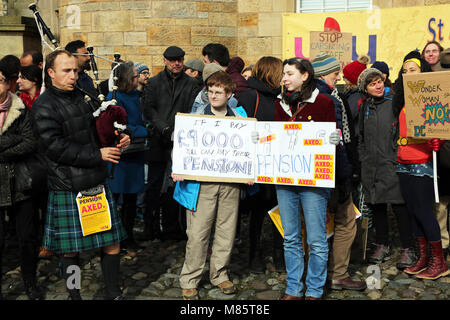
(4, 108)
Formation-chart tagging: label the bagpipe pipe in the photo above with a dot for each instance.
(42, 27)
(110, 119)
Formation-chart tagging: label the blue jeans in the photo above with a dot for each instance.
(314, 203)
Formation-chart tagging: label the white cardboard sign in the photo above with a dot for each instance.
(210, 148)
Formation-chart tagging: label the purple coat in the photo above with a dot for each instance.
(234, 69)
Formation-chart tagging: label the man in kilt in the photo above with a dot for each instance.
(67, 139)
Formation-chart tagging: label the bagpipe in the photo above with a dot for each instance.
(110, 119)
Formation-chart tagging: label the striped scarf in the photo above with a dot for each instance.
(345, 125)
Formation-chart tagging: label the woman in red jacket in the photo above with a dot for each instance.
(415, 171)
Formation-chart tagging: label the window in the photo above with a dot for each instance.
(304, 6)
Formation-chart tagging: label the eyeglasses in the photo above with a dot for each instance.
(145, 73)
(216, 93)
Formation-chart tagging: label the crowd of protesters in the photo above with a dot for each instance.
(51, 154)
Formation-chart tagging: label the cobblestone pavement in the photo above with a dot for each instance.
(152, 274)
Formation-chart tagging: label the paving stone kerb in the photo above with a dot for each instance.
(153, 274)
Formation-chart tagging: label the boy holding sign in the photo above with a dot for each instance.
(207, 202)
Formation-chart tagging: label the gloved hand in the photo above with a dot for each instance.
(255, 137)
(435, 143)
(335, 137)
(150, 129)
(166, 136)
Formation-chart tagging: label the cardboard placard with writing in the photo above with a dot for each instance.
(295, 153)
(335, 44)
(212, 148)
(220, 149)
(427, 97)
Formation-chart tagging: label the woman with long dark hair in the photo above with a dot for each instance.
(29, 83)
(259, 102)
(301, 102)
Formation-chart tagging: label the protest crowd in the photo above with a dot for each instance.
(57, 154)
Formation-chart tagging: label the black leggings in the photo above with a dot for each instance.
(382, 227)
(418, 193)
(26, 232)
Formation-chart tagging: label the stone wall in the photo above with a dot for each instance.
(260, 28)
(140, 30)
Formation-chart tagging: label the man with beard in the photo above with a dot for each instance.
(78, 49)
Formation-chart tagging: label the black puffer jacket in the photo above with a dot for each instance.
(67, 138)
(16, 143)
(267, 100)
(378, 151)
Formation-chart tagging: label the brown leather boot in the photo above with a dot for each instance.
(421, 263)
(437, 266)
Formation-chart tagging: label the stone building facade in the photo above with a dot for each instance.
(140, 30)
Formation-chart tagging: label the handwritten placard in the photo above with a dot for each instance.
(211, 148)
(427, 97)
(295, 153)
(335, 44)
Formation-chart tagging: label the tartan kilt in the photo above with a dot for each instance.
(63, 232)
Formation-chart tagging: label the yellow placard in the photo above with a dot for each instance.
(382, 34)
(94, 213)
(274, 214)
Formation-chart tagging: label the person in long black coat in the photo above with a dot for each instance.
(169, 92)
(259, 102)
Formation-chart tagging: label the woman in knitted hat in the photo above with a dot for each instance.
(377, 134)
(415, 171)
(301, 102)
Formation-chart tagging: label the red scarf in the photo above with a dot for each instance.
(27, 99)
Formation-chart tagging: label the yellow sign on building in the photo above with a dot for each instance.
(382, 34)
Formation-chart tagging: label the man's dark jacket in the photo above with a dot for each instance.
(67, 138)
(164, 97)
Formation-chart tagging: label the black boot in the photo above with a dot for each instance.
(111, 275)
(407, 258)
(147, 234)
(32, 290)
(74, 294)
(256, 262)
(278, 260)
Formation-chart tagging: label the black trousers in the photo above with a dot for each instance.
(418, 193)
(382, 226)
(26, 232)
(155, 179)
(260, 204)
(128, 212)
